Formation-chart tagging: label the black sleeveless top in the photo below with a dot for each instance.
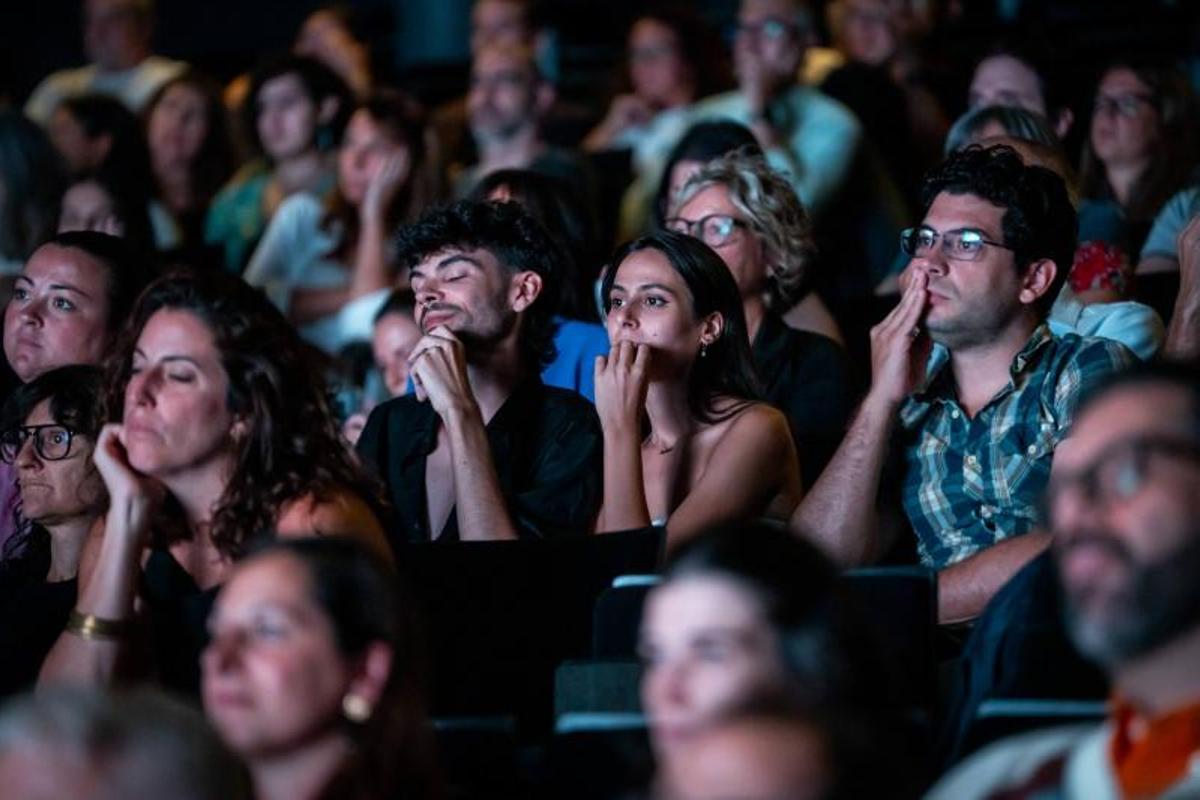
(177, 610)
(32, 615)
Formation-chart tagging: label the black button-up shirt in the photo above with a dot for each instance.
(807, 377)
(546, 445)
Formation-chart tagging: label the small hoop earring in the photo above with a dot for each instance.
(356, 708)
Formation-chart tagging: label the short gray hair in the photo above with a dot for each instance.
(774, 212)
(1018, 123)
(129, 745)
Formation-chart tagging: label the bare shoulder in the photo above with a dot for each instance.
(756, 420)
(339, 512)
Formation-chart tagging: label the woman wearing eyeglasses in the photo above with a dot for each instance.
(751, 217)
(687, 443)
(1142, 148)
(48, 431)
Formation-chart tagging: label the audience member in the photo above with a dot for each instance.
(686, 445)
(191, 151)
(563, 213)
(100, 746)
(508, 97)
(1183, 337)
(988, 122)
(703, 142)
(1122, 506)
(293, 117)
(47, 431)
(484, 450)
(395, 335)
(746, 618)
(1160, 251)
(328, 266)
(970, 381)
(750, 216)
(327, 35)
(116, 37)
(219, 431)
(97, 202)
(1142, 149)
(31, 184)
(1017, 75)
(806, 135)
(312, 675)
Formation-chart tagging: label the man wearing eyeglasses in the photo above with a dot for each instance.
(1124, 510)
(971, 394)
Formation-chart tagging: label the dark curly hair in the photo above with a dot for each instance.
(1039, 220)
(515, 239)
(727, 369)
(292, 447)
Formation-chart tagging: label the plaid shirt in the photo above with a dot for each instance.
(972, 482)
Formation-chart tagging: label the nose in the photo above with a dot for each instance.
(32, 313)
(143, 386)
(223, 651)
(429, 292)
(625, 317)
(931, 261)
(27, 457)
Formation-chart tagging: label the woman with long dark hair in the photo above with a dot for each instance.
(686, 441)
(312, 676)
(219, 430)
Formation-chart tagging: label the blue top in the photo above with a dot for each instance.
(578, 345)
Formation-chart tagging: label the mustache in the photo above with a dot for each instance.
(1097, 538)
(433, 308)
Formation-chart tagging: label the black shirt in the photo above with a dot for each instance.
(807, 377)
(546, 445)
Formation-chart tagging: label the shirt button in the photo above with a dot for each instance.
(954, 414)
(972, 461)
(985, 512)
(1031, 449)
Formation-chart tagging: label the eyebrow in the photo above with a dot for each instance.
(646, 286)
(64, 287)
(137, 351)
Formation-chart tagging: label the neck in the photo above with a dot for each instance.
(126, 61)
(1122, 177)
(493, 375)
(300, 173)
(980, 371)
(66, 544)
(754, 309)
(513, 152)
(302, 773)
(198, 490)
(1164, 680)
(668, 412)
(175, 183)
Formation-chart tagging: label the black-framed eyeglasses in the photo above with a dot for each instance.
(50, 442)
(1118, 472)
(962, 244)
(715, 230)
(771, 28)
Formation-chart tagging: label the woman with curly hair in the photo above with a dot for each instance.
(219, 431)
(686, 444)
(751, 217)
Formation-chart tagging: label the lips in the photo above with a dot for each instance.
(434, 317)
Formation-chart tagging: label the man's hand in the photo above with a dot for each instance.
(439, 371)
(1183, 337)
(621, 386)
(899, 348)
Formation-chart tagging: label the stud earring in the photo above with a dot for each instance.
(356, 708)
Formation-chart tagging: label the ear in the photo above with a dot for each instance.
(1039, 277)
(544, 96)
(371, 674)
(524, 288)
(711, 328)
(1063, 122)
(327, 110)
(240, 428)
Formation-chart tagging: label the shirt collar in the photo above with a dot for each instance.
(939, 383)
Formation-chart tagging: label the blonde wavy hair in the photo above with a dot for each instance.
(772, 210)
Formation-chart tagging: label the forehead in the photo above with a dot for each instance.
(495, 13)
(712, 199)
(68, 265)
(1006, 72)
(1128, 412)
(1123, 80)
(648, 30)
(950, 211)
(276, 579)
(171, 331)
(762, 9)
(457, 256)
(286, 84)
(648, 266)
(40, 414)
(684, 605)
(495, 60)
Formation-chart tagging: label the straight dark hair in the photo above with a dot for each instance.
(727, 369)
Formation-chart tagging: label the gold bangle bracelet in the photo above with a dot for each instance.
(89, 626)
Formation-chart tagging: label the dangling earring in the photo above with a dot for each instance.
(356, 708)
(703, 349)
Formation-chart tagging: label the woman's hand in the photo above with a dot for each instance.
(390, 174)
(621, 386)
(131, 493)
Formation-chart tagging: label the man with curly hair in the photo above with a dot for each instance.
(481, 449)
(970, 391)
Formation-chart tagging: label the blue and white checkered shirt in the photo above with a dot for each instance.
(972, 482)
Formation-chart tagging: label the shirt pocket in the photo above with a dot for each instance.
(1023, 458)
